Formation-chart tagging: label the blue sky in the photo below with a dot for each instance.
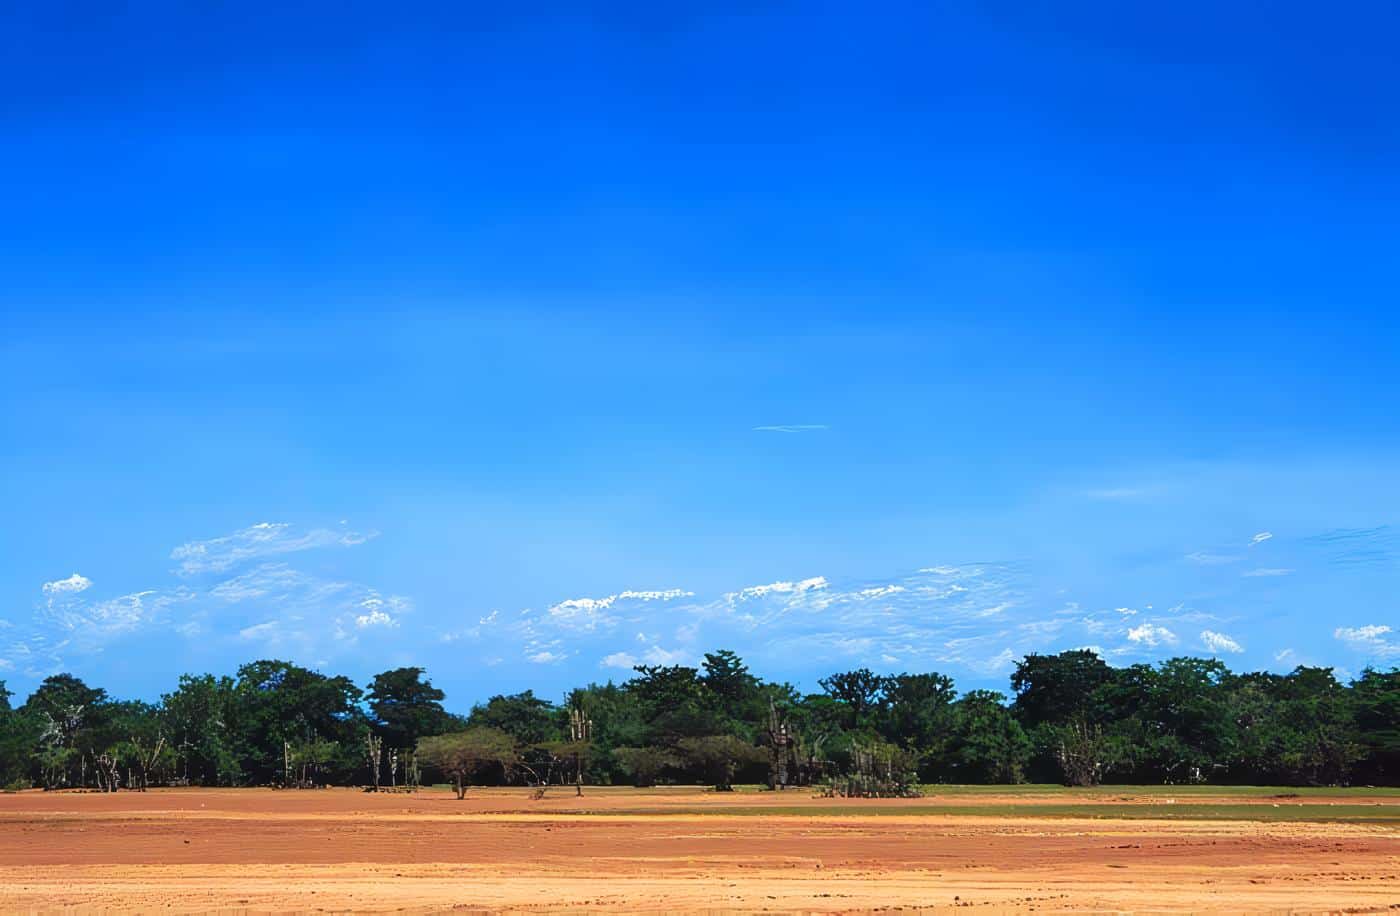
(528, 346)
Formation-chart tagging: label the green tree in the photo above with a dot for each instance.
(987, 744)
(617, 721)
(198, 714)
(1315, 728)
(1058, 688)
(736, 696)
(70, 716)
(645, 764)
(719, 757)
(278, 706)
(19, 741)
(405, 706)
(860, 691)
(1059, 699)
(525, 717)
(1073, 718)
(465, 756)
(134, 738)
(1082, 750)
(1376, 700)
(673, 703)
(1189, 736)
(916, 714)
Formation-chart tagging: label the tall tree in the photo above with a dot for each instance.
(1057, 688)
(673, 703)
(525, 717)
(1376, 698)
(986, 743)
(916, 710)
(859, 690)
(70, 716)
(280, 708)
(405, 706)
(199, 715)
(19, 739)
(734, 692)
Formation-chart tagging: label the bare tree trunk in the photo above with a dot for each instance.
(580, 730)
(374, 751)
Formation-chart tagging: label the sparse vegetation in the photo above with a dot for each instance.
(467, 755)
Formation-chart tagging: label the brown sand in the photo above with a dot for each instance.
(260, 850)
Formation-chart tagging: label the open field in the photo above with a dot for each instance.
(1043, 848)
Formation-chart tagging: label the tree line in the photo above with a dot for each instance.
(1070, 718)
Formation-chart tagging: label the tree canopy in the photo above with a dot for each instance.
(1070, 717)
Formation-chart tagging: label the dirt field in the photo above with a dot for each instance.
(688, 850)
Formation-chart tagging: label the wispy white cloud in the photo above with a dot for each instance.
(958, 618)
(313, 615)
(653, 655)
(267, 630)
(879, 591)
(999, 663)
(1373, 639)
(1220, 642)
(482, 623)
(89, 625)
(268, 580)
(591, 613)
(1152, 635)
(1368, 633)
(264, 539)
(1039, 630)
(942, 617)
(375, 618)
(71, 586)
(777, 588)
(1260, 538)
(1205, 558)
(624, 660)
(377, 610)
(791, 428)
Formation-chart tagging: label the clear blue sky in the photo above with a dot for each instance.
(369, 336)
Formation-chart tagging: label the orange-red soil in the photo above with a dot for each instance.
(261, 850)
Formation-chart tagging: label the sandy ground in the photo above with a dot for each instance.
(499, 850)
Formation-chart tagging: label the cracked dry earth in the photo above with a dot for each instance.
(498, 851)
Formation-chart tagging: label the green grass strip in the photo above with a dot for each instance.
(1314, 813)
